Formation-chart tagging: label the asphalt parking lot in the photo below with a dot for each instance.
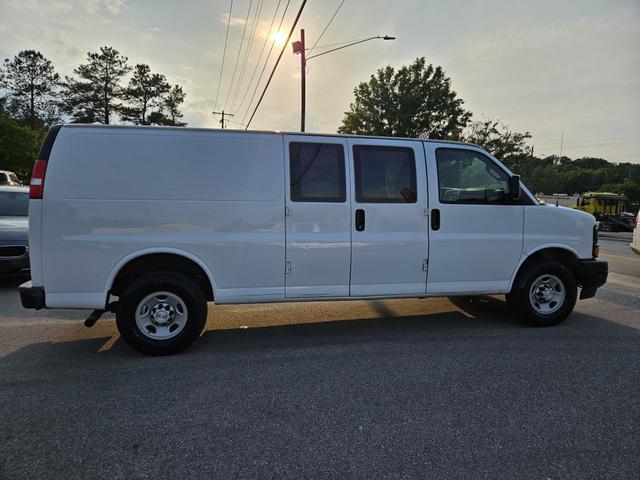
(436, 388)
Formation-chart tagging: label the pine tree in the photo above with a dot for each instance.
(96, 94)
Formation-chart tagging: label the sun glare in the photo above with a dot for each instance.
(279, 38)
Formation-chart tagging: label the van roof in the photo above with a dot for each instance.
(266, 132)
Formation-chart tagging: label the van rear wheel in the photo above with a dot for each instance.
(544, 294)
(161, 313)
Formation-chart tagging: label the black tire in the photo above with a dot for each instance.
(519, 301)
(175, 283)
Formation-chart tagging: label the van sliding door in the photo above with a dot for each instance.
(317, 217)
(389, 254)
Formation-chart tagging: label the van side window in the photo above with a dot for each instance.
(467, 176)
(384, 174)
(317, 172)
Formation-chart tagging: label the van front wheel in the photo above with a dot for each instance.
(544, 294)
(161, 313)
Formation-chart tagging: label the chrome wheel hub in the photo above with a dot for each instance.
(547, 294)
(161, 315)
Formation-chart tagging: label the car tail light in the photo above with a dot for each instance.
(36, 187)
(595, 249)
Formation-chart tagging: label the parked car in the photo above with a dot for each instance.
(167, 219)
(14, 225)
(635, 240)
(9, 178)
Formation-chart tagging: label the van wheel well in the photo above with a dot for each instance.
(161, 262)
(565, 256)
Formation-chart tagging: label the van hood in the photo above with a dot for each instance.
(551, 226)
(579, 215)
(575, 218)
(14, 229)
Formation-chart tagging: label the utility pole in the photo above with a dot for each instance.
(273, 70)
(223, 114)
(299, 47)
(561, 142)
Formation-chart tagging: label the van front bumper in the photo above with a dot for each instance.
(31, 297)
(594, 275)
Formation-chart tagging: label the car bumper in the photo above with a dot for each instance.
(594, 275)
(14, 264)
(31, 297)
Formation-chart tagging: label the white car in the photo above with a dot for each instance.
(154, 222)
(635, 241)
(9, 178)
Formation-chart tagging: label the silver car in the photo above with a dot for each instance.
(14, 229)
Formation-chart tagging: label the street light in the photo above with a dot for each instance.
(299, 48)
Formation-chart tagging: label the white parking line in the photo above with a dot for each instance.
(626, 280)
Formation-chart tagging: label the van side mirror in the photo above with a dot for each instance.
(514, 187)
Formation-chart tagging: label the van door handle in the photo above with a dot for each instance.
(435, 219)
(359, 220)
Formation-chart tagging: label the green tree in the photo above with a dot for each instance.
(172, 102)
(555, 174)
(32, 85)
(19, 146)
(3, 98)
(95, 95)
(498, 139)
(416, 100)
(146, 91)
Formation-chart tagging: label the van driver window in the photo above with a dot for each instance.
(317, 172)
(384, 174)
(467, 176)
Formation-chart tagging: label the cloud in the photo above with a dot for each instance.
(234, 22)
(113, 6)
(94, 7)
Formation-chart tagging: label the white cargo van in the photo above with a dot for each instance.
(152, 223)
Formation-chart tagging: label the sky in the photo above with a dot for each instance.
(558, 69)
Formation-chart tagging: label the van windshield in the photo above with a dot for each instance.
(14, 204)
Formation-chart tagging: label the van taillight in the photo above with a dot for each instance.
(37, 179)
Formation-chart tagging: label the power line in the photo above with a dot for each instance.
(256, 16)
(224, 53)
(335, 44)
(266, 61)
(264, 45)
(284, 46)
(598, 142)
(233, 77)
(240, 123)
(327, 26)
